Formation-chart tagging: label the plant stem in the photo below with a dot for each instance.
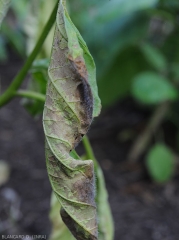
(89, 151)
(104, 211)
(10, 92)
(144, 139)
(31, 94)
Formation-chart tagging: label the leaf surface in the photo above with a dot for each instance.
(71, 103)
(160, 163)
(152, 88)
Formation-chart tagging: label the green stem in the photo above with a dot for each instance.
(31, 94)
(75, 155)
(104, 212)
(89, 151)
(10, 92)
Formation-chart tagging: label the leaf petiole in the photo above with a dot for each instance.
(31, 94)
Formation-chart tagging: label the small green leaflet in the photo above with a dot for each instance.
(71, 103)
(152, 88)
(4, 5)
(160, 163)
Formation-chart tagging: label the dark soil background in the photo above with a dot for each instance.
(141, 209)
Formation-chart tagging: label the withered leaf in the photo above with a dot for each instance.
(71, 102)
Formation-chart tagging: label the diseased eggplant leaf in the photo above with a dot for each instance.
(105, 220)
(78, 47)
(71, 102)
(4, 5)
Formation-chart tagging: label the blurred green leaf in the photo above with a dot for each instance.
(110, 39)
(105, 11)
(20, 8)
(114, 9)
(31, 17)
(160, 163)
(175, 71)
(171, 47)
(37, 14)
(40, 64)
(151, 88)
(116, 82)
(12, 27)
(172, 4)
(109, 26)
(154, 57)
(14, 37)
